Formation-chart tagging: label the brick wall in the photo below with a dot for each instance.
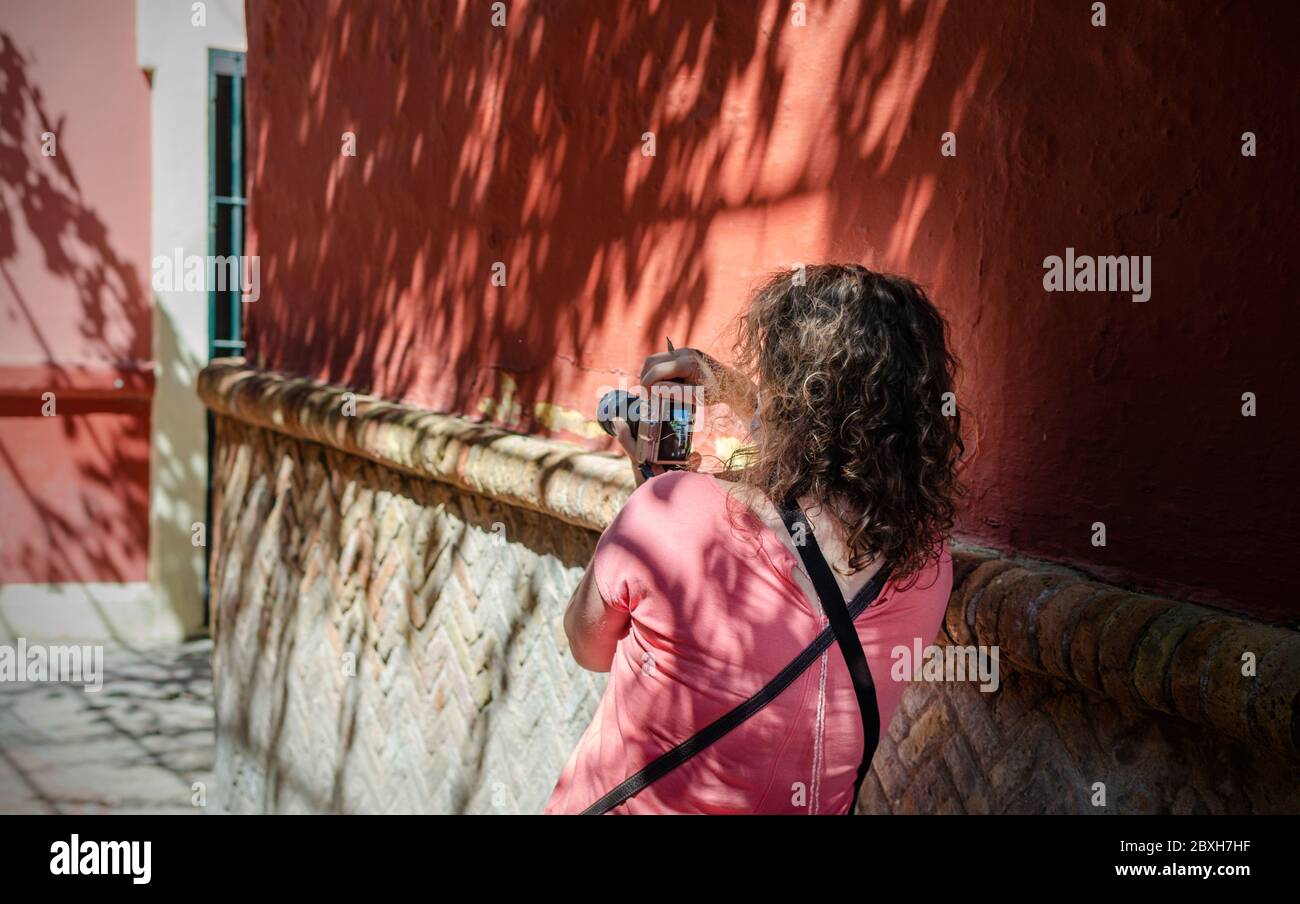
(387, 597)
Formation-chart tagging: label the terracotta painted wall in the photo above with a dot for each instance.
(777, 144)
(74, 304)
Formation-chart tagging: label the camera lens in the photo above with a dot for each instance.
(617, 404)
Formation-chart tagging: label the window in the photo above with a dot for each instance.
(226, 204)
(226, 198)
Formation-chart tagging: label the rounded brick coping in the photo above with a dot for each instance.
(1237, 677)
(557, 479)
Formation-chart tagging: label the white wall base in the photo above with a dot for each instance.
(170, 46)
(87, 613)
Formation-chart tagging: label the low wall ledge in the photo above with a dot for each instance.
(1233, 675)
(557, 479)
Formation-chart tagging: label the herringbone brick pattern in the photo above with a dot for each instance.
(385, 644)
(1040, 745)
(390, 643)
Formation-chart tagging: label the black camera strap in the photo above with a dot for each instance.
(828, 591)
(840, 630)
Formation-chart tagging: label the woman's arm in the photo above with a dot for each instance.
(593, 626)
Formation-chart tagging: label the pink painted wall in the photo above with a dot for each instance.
(778, 144)
(74, 303)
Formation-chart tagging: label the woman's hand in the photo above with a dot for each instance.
(721, 384)
(623, 433)
(684, 365)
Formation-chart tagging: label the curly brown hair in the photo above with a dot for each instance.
(853, 373)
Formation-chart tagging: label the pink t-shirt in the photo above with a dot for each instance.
(715, 614)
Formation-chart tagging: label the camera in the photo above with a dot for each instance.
(662, 425)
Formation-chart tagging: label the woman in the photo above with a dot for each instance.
(702, 590)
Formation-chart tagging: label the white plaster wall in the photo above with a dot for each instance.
(176, 51)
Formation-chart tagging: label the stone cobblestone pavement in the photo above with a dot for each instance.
(137, 746)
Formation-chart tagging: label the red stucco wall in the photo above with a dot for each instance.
(74, 308)
(778, 144)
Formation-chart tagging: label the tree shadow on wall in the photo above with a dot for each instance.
(522, 146)
(100, 526)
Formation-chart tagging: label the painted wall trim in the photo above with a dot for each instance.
(1157, 654)
(98, 380)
